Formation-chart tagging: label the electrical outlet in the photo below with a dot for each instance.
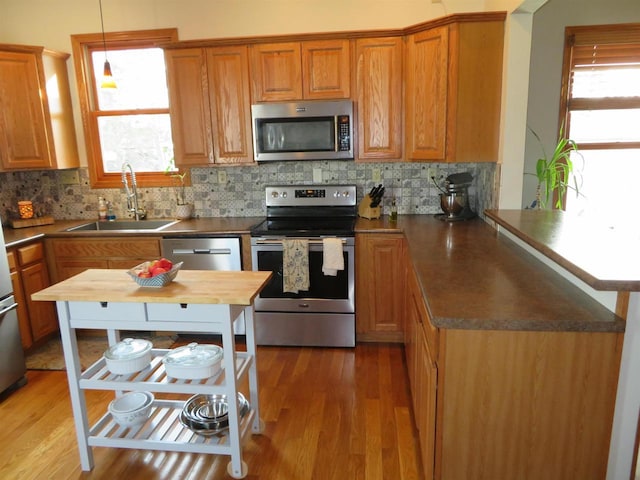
(317, 175)
(222, 176)
(376, 175)
(69, 177)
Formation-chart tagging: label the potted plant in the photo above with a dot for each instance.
(184, 210)
(556, 174)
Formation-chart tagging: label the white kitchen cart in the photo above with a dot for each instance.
(198, 302)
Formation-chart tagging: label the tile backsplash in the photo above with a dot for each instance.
(242, 195)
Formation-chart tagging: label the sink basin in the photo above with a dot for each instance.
(123, 225)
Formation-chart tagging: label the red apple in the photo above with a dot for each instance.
(164, 263)
(144, 274)
(157, 271)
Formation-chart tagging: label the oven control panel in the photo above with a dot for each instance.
(310, 195)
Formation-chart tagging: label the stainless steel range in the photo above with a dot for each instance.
(324, 313)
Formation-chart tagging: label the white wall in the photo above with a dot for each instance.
(50, 23)
(546, 67)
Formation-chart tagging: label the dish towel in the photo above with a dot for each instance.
(295, 265)
(332, 259)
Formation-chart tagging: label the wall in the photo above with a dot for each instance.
(546, 67)
(40, 22)
(243, 193)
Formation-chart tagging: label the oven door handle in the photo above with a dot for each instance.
(279, 241)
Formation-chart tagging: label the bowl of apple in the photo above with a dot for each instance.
(155, 273)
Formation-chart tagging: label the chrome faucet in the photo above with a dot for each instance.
(132, 193)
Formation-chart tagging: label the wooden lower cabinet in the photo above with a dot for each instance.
(29, 274)
(69, 256)
(503, 404)
(380, 281)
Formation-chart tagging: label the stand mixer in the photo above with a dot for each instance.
(454, 199)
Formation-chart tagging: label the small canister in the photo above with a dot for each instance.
(25, 208)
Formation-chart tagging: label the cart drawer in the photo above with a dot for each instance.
(191, 312)
(131, 312)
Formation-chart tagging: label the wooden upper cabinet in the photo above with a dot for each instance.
(191, 126)
(379, 98)
(228, 73)
(210, 105)
(453, 90)
(276, 72)
(300, 70)
(326, 69)
(426, 94)
(36, 118)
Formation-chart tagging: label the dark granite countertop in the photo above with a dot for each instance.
(471, 276)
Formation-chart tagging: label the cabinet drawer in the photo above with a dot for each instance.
(192, 312)
(108, 247)
(11, 258)
(30, 254)
(132, 312)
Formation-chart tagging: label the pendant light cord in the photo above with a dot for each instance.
(104, 40)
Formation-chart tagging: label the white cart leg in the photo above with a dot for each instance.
(78, 401)
(257, 426)
(237, 468)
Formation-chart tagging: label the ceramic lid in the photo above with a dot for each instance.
(194, 355)
(128, 349)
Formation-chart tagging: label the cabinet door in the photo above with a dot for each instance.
(379, 84)
(41, 314)
(191, 126)
(23, 113)
(23, 313)
(326, 71)
(380, 282)
(276, 72)
(425, 402)
(228, 75)
(426, 94)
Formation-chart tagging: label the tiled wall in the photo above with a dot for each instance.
(243, 193)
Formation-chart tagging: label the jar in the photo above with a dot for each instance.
(25, 208)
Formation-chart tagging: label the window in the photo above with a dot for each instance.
(601, 108)
(130, 123)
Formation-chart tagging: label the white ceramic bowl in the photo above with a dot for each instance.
(193, 361)
(132, 408)
(128, 356)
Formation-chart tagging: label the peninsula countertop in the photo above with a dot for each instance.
(600, 254)
(473, 277)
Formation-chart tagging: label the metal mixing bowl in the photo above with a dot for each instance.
(209, 414)
(453, 203)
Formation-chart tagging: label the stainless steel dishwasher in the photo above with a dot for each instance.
(206, 253)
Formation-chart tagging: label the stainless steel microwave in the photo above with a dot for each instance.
(311, 130)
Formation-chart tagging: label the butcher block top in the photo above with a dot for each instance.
(189, 286)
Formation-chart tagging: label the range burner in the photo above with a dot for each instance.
(308, 210)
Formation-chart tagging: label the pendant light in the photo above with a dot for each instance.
(107, 77)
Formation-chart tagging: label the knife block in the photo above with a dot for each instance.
(365, 209)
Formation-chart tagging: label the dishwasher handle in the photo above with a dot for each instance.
(6, 310)
(201, 251)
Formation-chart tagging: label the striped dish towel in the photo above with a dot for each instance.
(295, 265)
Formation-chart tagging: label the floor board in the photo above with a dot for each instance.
(329, 413)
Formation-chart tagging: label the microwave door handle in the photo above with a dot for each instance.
(336, 141)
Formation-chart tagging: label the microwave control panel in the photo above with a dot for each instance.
(344, 133)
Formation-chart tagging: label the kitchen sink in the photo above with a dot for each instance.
(123, 225)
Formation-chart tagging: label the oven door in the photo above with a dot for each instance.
(328, 294)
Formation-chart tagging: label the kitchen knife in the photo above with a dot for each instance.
(378, 197)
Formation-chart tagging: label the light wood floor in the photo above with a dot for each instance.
(330, 413)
